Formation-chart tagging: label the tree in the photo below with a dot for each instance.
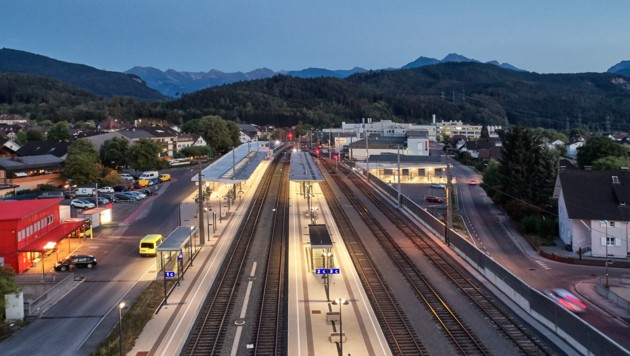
(82, 165)
(527, 172)
(34, 135)
(220, 135)
(21, 138)
(485, 135)
(610, 163)
(599, 147)
(143, 155)
(59, 132)
(7, 286)
(115, 152)
(195, 151)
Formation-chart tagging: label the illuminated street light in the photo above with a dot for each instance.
(340, 302)
(120, 330)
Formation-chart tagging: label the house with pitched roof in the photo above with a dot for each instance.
(38, 148)
(594, 211)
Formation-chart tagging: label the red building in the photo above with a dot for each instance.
(31, 229)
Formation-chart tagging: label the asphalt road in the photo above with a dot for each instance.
(85, 316)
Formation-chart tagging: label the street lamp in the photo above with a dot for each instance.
(606, 263)
(205, 209)
(120, 331)
(340, 302)
(327, 275)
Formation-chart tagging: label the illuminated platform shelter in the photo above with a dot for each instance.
(237, 165)
(304, 170)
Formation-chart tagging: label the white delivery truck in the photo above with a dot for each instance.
(149, 175)
(85, 191)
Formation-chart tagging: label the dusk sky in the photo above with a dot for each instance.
(558, 36)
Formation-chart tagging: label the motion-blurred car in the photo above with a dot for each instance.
(472, 182)
(78, 261)
(438, 186)
(81, 204)
(124, 197)
(432, 199)
(566, 299)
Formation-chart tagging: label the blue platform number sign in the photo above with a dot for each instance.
(169, 274)
(327, 271)
(180, 256)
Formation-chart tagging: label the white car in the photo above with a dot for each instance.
(82, 204)
(105, 190)
(126, 176)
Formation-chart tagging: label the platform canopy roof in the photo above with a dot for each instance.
(319, 236)
(177, 239)
(389, 160)
(237, 165)
(303, 168)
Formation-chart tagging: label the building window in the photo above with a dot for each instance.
(611, 223)
(610, 241)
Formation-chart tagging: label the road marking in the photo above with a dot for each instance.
(239, 326)
(542, 264)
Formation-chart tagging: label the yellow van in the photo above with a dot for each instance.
(149, 244)
(165, 177)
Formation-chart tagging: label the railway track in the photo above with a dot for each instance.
(272, 323)
(209, 330)
(523, 339)
(395, 325)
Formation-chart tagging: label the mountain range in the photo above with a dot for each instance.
(98, 82)
(174, 83)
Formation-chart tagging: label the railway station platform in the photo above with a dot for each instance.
(315, 321)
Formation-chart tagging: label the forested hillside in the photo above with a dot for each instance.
(99, 82)
(472, 92)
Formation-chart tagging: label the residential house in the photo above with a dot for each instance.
(188, 140)
(38, 148)
(8, 148)
(572, 148)
(594, 211)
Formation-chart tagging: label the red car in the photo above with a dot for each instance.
(432, 199)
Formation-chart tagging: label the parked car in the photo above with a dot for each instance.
(132, 195)
(432, 199)
(438, 186)
(566, 299)
(105, 190)
(136, 194)
(155, 181)
(144, 183)
(121, 188)
(109, 197)
(124, 197)
(101, 200)
(126, 176)
(82, 204)
(76, 261)
(165, 177)
(51, 195)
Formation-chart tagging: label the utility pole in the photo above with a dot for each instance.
(399, 193)
(448, 224)
(200, 200)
